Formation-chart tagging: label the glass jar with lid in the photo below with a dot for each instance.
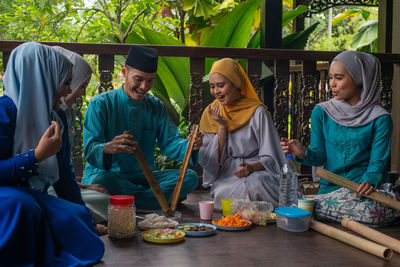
(121, 217)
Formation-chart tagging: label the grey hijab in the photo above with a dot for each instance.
(81, 71)
(365, 70)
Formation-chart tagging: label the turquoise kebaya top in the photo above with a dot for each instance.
(110, 114)
(356, 153)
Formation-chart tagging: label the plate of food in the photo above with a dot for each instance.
(163, 236)
(197, 229)
(155, 221)
(232, 223)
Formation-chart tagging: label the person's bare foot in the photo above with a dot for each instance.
(101, 229)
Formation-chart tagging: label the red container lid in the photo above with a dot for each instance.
(122, 200)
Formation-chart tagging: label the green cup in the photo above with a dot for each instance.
(226, 206)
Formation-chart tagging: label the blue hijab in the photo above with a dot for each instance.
(33, 76)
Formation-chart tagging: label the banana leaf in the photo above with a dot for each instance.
(298, 40)
(366, 37)
(234, 30)
(200, 8)
(255, 40)
(292, 14)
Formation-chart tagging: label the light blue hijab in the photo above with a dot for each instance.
(33, 76)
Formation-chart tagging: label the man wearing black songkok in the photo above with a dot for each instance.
(108, 150)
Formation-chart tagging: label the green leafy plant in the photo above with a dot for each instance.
(366, 38)
(162, 162)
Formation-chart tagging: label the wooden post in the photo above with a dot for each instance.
(271, 24)
(106, 69)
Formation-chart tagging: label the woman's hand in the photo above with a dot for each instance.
(293, 147)
(50, 143)
(198, 141)
(364, 188)
(215, 114)
(245, 171)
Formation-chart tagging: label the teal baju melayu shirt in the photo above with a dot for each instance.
(356, 153)
(110, 114)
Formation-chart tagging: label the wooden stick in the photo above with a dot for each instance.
(188, 153)
(339, 180)
(372, 234)
(352, 240)
(150, 178)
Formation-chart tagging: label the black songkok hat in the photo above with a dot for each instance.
(142, 58)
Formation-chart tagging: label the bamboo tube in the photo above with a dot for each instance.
(150, 178)
(372, 234)
(352, 240)
(339, 180)
(184, 167)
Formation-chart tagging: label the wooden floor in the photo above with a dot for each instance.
(258, 246)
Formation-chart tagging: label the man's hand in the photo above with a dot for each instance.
(198, 141)
(120, 144)
(50, 143)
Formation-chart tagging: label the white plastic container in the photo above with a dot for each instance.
(293, 219)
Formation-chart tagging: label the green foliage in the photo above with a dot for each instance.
(201, 8)
(350, 13)
(346, 23)
(290, 15)
(366, 39)
(298, 40)
(234, 30)
(161, 161)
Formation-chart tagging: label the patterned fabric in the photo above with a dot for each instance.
(341, 203)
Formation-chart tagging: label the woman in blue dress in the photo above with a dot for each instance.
(350, 136)
(38, 229)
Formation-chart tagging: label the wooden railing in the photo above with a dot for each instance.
(301, 81)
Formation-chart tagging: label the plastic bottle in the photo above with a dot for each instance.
(289, 184)
(121, 217)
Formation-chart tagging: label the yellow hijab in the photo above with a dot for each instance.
(236, 114)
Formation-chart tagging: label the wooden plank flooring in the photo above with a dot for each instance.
(258, 246)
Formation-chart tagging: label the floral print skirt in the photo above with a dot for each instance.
(341, 203)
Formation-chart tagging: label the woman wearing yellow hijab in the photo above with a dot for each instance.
(241, 153)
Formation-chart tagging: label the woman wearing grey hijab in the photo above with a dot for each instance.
(350, 136)
(95, 196)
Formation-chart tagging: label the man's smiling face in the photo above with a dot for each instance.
(137, 83)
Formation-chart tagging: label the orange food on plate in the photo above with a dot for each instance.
(235, 220)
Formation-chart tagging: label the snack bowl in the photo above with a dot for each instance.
(202, 229)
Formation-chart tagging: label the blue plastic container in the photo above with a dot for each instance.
(293, 219)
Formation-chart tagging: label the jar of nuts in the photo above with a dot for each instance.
(121, 217)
